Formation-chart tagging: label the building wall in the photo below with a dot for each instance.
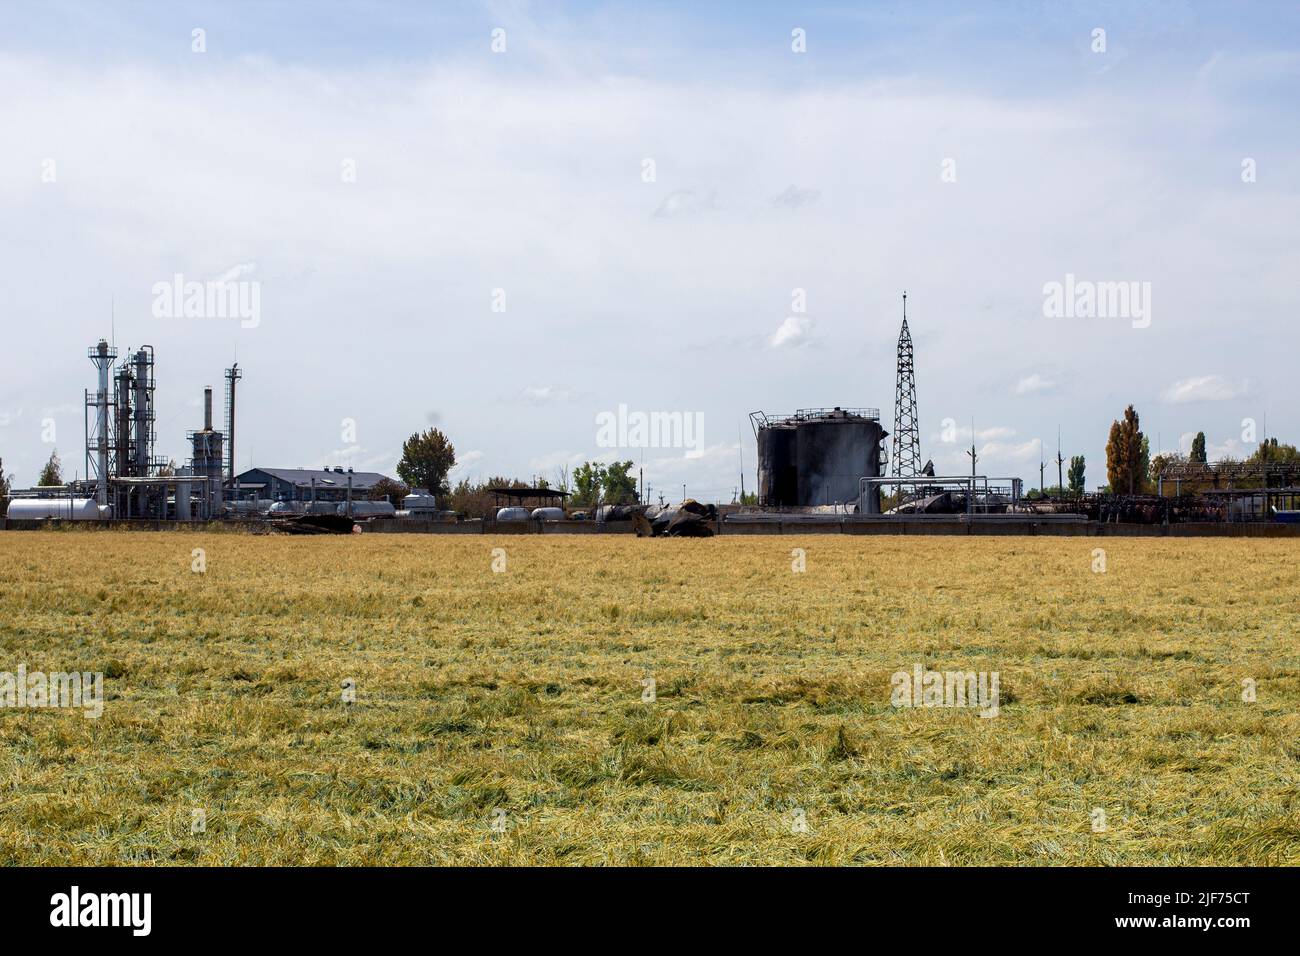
(278, 490)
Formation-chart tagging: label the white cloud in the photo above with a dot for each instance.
(463, 186)
(794, 331)
(1204, 388)
(684, 202)
(236, 272)
(1232, 448)
(1035, 383)
(793, 197)
(465, 461)
(546, 394)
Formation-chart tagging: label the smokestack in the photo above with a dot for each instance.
(207, 409)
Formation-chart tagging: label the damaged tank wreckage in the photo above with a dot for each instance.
(690, 519)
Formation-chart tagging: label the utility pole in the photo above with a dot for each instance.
(970, 496)
(1060, 481)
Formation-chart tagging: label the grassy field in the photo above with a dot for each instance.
(499, 716)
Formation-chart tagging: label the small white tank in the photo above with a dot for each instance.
(513, 513)
(41, 509)
(548, 514)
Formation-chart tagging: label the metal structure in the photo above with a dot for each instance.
(122, 444)
(907, 436)
(980, 491)
(233, 375)
(99, 442)
(816, 456)
(206, 464)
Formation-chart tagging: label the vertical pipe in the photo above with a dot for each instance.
(141, 413)
(207, 409)
(101, 422)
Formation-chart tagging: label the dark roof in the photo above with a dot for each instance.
(529, 492)
(323, 476)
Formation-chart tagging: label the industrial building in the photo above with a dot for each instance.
(306, 485)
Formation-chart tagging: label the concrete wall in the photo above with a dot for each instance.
(401, 526)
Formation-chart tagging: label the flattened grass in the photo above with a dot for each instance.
(521, 692)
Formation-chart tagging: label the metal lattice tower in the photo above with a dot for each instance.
(233, 375)
(907, 438)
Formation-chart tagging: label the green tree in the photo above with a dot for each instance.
(387, 488)
(1198, 449)
(473, 500)
(1076, 476)
(1270, 451)
(1124, 454)
(4, 490)
(52, 473)
(427, 457)
(1144, 463)
(588, 479)
(619, 486)
(1162, 462)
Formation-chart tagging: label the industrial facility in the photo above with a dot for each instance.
(817, 467)
(126, 480)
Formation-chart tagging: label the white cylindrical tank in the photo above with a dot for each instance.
(41, 509)
(513, 513)
(548, 514)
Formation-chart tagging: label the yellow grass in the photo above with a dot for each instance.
(522, 692)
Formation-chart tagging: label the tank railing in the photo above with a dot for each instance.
(769, 419)
(970, 484)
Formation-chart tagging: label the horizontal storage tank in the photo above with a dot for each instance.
(513, 513)
(548, 514)
(42, 509)
(369, 509)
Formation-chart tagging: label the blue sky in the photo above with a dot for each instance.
(776, 171)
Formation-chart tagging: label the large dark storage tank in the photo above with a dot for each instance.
(778, 476)
(833, 453)
(817, 456)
